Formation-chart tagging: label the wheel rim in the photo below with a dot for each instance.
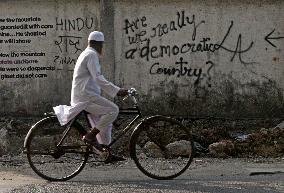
(50, 162)
(163, 148)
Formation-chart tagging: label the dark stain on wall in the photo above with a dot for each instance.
(231, 99)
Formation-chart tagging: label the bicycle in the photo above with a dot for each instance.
(161, 147)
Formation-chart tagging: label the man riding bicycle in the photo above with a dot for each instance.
(87, 84)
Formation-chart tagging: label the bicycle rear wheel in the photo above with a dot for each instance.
(49, 161)
(161, 147)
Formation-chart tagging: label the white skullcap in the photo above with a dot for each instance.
(97, 36)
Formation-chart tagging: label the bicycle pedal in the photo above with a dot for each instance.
(98, 151)
(95, 145)
(102, 155)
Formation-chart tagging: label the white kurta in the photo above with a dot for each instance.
(88, 80)
(86, 91)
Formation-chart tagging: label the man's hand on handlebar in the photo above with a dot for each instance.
(122, 92)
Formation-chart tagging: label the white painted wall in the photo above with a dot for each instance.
(40, 42)
(230, 68)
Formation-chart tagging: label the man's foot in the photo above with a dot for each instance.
(114, 158)
(91, 139)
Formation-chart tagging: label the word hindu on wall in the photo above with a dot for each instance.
(70, 45)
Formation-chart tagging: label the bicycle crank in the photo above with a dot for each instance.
(58, 153)
(101, 155)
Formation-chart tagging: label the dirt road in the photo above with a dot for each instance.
(205, 175)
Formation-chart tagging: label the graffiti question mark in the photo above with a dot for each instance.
(208, 72)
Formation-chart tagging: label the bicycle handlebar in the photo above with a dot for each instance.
(132, 93)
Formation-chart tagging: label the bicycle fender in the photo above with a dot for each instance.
(150, 118)
(141, 124)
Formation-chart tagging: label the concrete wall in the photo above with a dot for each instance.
(40, 42)
(217, 57)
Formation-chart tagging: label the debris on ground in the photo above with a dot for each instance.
(212, 137)
(222, 149)
(259, 143)
(12, 134)
(263, 142)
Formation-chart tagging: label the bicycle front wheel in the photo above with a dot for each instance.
(52, 162)
(161, 147)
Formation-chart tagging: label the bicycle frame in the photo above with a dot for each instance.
(128, 111)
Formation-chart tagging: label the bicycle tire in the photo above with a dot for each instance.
(50, 162)
(161, 147)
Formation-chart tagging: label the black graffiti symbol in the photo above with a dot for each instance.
(149, 51)
(268, 38)
(67, 42)
(138, 37)
(209, 73)
(181, 21)
(181, 69)
(77, 24)
(64, 60)
(134, 25)
(238, 49)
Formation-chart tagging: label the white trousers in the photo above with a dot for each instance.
(103, 113)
